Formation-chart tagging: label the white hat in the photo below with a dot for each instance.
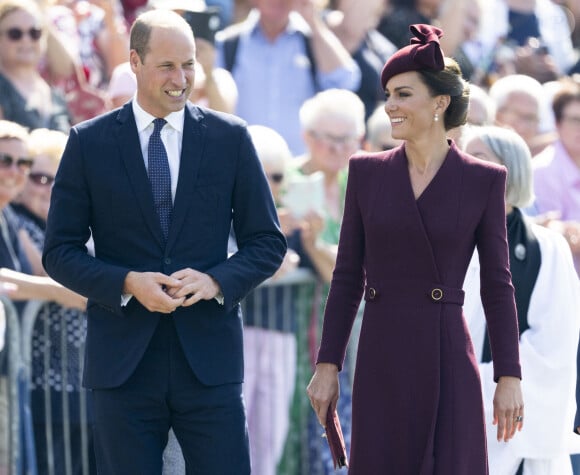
(189, 5)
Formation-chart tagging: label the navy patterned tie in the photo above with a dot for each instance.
(160, 177)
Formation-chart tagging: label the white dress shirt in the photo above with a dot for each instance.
(171, 136)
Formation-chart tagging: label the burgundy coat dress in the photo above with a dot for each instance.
(417, 404)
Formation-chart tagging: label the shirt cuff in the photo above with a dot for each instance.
(219, 298)
(125, 298)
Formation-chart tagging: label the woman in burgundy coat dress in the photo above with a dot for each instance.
(413, 216)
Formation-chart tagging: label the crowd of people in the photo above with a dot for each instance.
(317, 82)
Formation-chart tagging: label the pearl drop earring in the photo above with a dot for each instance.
(436, 117)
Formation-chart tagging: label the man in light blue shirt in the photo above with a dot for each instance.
(273, 64)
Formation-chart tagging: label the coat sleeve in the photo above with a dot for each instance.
(348, 278)
(497, 292)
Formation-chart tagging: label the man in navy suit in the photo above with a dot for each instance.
(164, 341)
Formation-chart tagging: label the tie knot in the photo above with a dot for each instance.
(158, 125)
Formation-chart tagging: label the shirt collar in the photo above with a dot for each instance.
(143, 119)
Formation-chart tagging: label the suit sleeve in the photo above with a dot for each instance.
(497, 291)
(348, 279)
(65, 255)
(261, 244)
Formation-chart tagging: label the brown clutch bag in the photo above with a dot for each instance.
(335, 439)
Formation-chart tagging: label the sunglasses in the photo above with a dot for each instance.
(276, 177)
(16, 34)
(41, 179)
(23, 163)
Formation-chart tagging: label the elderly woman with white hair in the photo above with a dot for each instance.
(520, 104)
(547, 295)
(270, 316)
(333, 127)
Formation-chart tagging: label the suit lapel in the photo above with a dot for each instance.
(194, 132)
(128, 140)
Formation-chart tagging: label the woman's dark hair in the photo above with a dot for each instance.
(449, 82)
(568, 93)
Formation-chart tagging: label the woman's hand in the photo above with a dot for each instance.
(312, 225)
(508, 407)
(323, 390)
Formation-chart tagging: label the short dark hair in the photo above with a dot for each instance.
(139, 37)
(449, 82)
(568, 93)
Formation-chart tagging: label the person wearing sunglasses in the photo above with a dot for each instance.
(270, 316)
(15, 268)
(25, 96)
(15, 165)
(66, 316)
(46, 146)
(13, 171)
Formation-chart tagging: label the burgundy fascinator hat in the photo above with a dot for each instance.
(424, 52)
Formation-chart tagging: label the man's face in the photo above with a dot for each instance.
(274, 11)
(165, 76)
(520, 112)
(569, 128)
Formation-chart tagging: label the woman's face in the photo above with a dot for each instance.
(36, 193)
(331, 142)
(478, 149)
(14, 169)
(275, 173)
(410, 107)
(22, 39)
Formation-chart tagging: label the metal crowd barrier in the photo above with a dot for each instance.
(20, 441)
(307, 288)
(301, 284)
(21, 450)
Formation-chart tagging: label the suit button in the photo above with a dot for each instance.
(372, 293)
(167, 260)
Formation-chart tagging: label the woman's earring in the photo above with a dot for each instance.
(436, 117)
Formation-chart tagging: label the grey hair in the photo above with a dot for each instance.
(514, 154)
(336, 103)
(481, 96)
(520, 83)
(13, 131)
(377, 124)
(270, 145)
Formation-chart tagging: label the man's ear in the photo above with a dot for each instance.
(134, 60)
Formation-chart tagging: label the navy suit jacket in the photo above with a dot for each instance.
(102, 188)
